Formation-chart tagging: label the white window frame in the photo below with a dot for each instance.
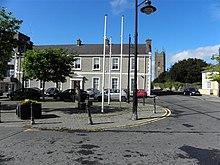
(209, 84)
(132, 69)
(117, 63)
(132, 78)
(98, 82)
(40, 84)
(93, 63)
(27, 83)
(112, 82)
(80, 63)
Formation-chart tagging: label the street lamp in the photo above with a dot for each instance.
(148, 9)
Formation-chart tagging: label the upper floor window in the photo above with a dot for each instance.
(115, 63)
(132, 63)
(96, 63)
(77, 64)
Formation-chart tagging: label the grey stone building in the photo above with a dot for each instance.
(160, 63)
(88, 68)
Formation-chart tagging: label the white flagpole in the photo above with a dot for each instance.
(110, 62)
(103, 66)
(122, 31)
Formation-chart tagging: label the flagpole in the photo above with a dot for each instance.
(110, 61)
(122, 31)
(103, 66)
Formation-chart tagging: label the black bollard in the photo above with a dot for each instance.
(32, 115)
(89, 112)
(154, 104)
(0, 112)
(143, 100)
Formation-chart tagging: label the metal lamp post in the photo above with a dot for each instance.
(148, 9)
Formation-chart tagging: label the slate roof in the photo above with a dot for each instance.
(88, 49)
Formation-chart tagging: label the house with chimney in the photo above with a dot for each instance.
(89, 71)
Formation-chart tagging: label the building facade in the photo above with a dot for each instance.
(13, 79)
(209, 87)
(89, 71)
(88, 68)
(160, 63)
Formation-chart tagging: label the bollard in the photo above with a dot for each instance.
(154, 104)
(32, 115)
(0, 112)
(89, 112)
(143, 100)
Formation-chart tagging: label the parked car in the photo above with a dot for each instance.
(92, 91)
(141, 93)
(98, 96)
(66, 95)
(191, 91)
(83, 95)
(114, 95)
(25, 93)
(52, 92)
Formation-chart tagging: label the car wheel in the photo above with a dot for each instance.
(123, 99)
(11, 98)
(190, 94)
(99, 99)
(184, 93)
(57, 98)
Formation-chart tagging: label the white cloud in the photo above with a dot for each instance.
(200, 53)
(118, 6)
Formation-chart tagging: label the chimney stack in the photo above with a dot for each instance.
(148, 45)
(106, 42)
(79, 42)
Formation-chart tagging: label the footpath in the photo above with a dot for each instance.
(63, 116)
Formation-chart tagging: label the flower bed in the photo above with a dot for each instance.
(23, 109)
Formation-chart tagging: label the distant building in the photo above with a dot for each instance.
(160, 63)
(13, 79)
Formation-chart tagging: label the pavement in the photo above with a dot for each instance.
(66, 116)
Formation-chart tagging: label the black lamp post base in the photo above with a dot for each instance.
(134, 116)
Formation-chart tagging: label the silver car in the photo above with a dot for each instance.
(114, 95)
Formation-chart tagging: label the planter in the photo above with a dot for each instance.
(24, 111)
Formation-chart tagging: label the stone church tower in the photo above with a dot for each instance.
(160, 63)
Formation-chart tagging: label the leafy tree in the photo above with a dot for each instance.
(162, 78)
(48, 65)
(187, 71)
(9, 26)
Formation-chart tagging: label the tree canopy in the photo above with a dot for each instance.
(48, 64)
(9, 26)
(185, 71)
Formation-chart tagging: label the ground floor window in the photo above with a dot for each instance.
(114, 83)
(132, 84)
(96, 83)
(27, 83)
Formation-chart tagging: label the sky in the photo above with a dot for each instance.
(183, 28)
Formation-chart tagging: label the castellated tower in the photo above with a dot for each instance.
(160, 65)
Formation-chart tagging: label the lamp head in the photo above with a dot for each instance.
(148, 9)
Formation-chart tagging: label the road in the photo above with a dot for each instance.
(191, 135)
